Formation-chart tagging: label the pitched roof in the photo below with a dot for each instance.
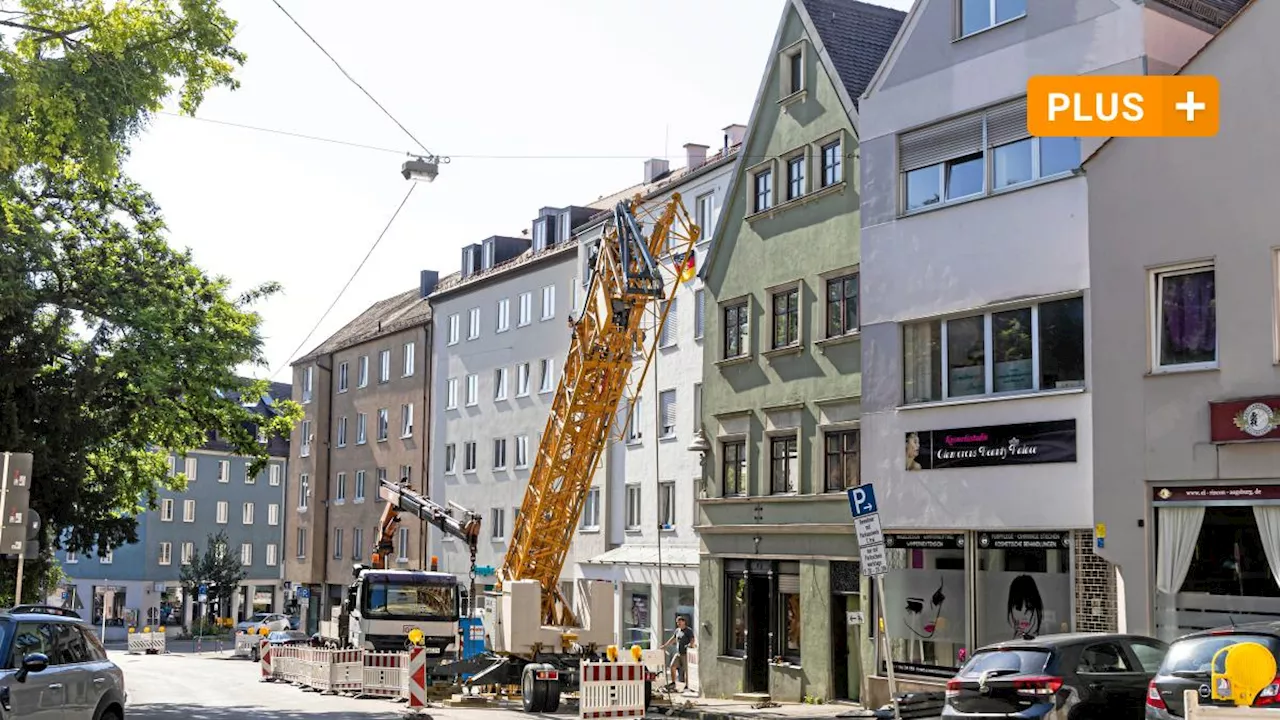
(387, 316)
(856, 35)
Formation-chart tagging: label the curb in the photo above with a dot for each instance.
(696, 713)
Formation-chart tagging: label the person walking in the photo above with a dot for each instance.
(683, 639)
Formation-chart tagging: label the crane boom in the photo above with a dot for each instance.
(401, 498)
(625, 279)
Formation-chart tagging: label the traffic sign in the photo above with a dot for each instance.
(866, 522)
(204, 593)
(862, 500)
(873, 560)
(15, 493)
(303, 592)
(868, 529)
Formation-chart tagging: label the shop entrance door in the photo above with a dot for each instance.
(757, 634)
(846, 663)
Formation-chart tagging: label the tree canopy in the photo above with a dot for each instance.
(115, 348)
(217, 569)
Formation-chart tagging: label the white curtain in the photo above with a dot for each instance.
(1268, 517)
(1179, 530)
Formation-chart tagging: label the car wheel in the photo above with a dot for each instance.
(253, 654)
(111, 714)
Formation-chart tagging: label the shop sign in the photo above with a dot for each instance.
(1216, 494)
(920, 541)
(921, 669)
(1021, 444)
(1024, 541)
(1246, 420)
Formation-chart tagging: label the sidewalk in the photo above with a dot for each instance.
(713, 709)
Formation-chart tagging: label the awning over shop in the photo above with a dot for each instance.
(648, 555)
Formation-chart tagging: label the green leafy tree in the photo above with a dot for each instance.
(217, 569)
(115, 349)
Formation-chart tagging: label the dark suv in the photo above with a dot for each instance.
(55, 667)
(1189, 664)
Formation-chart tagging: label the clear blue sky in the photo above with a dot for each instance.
(506, 88)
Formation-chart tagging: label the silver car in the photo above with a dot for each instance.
(55, 668)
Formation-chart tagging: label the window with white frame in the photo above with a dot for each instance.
(762, 186)
(188, 511)
(522, 451)
(706, 217)
(670, 326)
(786, 317)
(591, 510)
(337, 543)
(832, 159)
(188, 552)
(473, 323)
(667, 413)
(978, 15)
(548, 375)
(222, 512)
(273, 514)
(304, 491)
(504, 314)
(300, 543)
(500, 384)
(362, 421)
(224, 471)
(173, 465)
(340, 487)
(548, 302)
(473, 390)
(455, 328)
(499, 453)
(469, 456)
(246, 514)
(784, 471)
(406, 420)
(635, 427)
(272, 551)
(72, 557)
(954, 159)
(384, 424)
(1185, 336)
(360, 485)
(357, 543)
(246, 553)
(308, 378)
(526, 308)
(792, 70)
(522, 379)
(795, 176)
(166, 554)
(451, 394)
(450, 459)
(633, 507)
(106, 558)
(305, 451)
(384, 366)
(576, 293)
(406, 474)
(498, 523)
(409, 361)
(667, 505)
(166, 510)
(699, 313)
(189, 469)
(249, 478)
(402, 547)
(273, 475)
(344, 375)
(1032, 348)
(342, 431)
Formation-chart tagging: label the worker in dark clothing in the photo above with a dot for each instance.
(683, 639)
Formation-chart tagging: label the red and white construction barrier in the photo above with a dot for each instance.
(418, 677)
(264, 656)
(384, 674)
(346, 670)
(611, 690)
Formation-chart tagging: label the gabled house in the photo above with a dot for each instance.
(780, 586)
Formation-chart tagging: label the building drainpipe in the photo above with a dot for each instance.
(325, 610)
(428, 375)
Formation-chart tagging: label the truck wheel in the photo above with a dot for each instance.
(552, 696)
(533, 692)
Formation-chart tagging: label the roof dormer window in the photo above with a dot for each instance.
(791, 71)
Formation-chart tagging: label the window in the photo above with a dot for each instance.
(362, 372)
(1185, 313)
(832, 164)
(340, 487)
(106, 558)
(455, 328)
(409, 360)
(736, 614)
(246, 514)
(222, 511)
(842, 305)
(308, 376)
(166, 553)
(188, 552)
(360, 485)
(361, 430)
(357, 543)
(635, 430)
(271, 554)
(304, 491)
(794, 64)
(72, 557)
(403, 545)
(735, 330)
(504, 314)
(498, 523)
(337, 543)
(188, 511)
(189, 469)
(343, 374)
(166, 510)
(784, 476)
(383, 423)
(473, 323)
(1034, 587)
(667, 413)
(591, 510)
(273, 474)
(978, 15)
(246, 554)
(705, 216)
(667, 505)
(469, 456)
(842, 460)
(499, 453)
(342, 431)
(473, 390)
(951, 161)
(406, 420)
(305, 451)
(301, 541)
(699, 313)
(795, 177)
(224, 471)
(670, 326)
(763, 199)
(789, 617)
(380, 475)
(526, 308)
(451, 394)
(548, 375)
(786, 318)
(633, 507)
(406, 474)
(450, 459)
(548, 302)
(522, 451)
(500, 384)
(273, 514)
(384, 366)
(522, 379)
(1035, 348)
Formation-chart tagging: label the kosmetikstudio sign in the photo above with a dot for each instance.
(1022, 444)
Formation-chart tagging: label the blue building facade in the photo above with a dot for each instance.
(140, 582)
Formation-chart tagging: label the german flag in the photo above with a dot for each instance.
(687, 267)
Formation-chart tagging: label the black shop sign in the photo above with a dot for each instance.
(1022, 444)
(1024, 541)
(923, 541)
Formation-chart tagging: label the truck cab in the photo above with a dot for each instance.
(383, 606)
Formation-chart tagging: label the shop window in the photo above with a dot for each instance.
(637, 616)
(736, 613)
(1024, 588)
(1230, 557)
(677, 601)
(925, 603)
(788, 633)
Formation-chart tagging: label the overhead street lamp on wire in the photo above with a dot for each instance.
(422, 168)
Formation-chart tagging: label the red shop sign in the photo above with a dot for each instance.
(1245, 420)
(1201, 493)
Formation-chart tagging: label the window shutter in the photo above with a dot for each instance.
(944, 141)
(789, 584)
(1007, 123)
(669, 325)
(669, 409)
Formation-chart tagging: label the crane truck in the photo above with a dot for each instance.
(537, 639)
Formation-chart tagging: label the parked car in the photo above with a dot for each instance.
(1075, 676)
(54, 664)
(272, 621)
(1189, 663)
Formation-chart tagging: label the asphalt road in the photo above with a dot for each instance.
(184, 686)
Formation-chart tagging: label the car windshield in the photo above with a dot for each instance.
(1006, 662)
(1195, 655)
(401, 599)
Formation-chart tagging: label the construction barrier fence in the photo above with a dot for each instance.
(1195, 711)
(611, 690)
(147, 642)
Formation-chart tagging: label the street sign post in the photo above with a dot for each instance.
(204, 593)
(874, 563)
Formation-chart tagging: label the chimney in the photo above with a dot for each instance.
(696, 154)
(655, 167)
(733, 135)
(428, 282)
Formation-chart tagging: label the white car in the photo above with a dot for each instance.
(274, 622)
